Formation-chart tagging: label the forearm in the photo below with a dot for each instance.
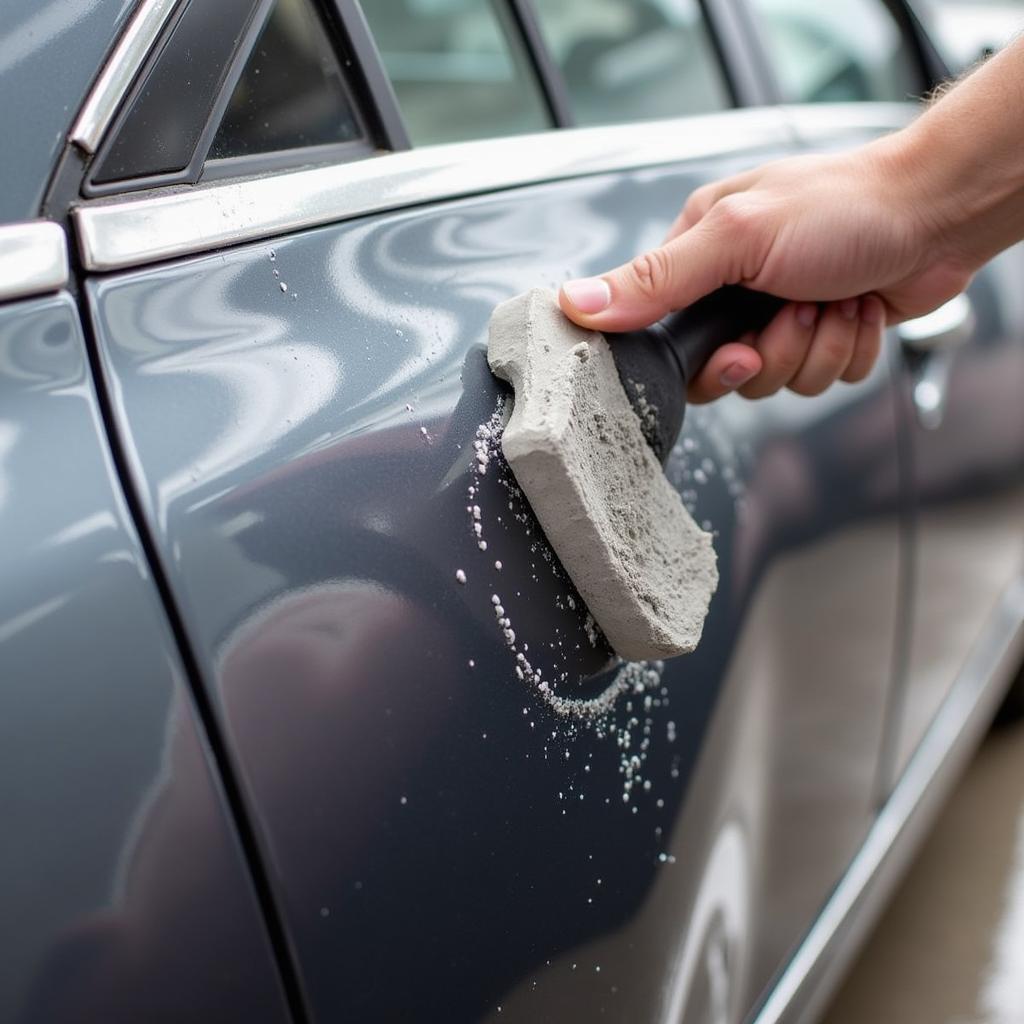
(963, 161)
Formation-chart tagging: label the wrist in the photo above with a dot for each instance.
(960, 164)
(926, 177)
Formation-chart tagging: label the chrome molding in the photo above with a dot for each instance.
(33, 259)
(810, 977)
(816, 122)
(119, 73)
(157, 226)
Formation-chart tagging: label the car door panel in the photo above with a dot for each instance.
(109, 913)
(301, 418)
(968, 473)
(963, 471)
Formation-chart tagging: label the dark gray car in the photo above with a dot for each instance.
(265, 751)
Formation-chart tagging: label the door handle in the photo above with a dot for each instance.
(931, 342)
(947, 327)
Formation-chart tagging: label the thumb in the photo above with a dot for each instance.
(669, 277)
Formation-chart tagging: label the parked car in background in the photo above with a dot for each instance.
(275, 619)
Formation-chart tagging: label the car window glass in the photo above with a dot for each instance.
(291, 92)
(458, 69)
(837, 51)
(628, 60)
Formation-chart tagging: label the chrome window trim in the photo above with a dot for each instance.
(152, 226)
(33, 259)
(119, 72)
(802, 990)
(156, 226)
(814, 122)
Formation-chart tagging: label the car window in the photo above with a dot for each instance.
(837, 51)
(232, 78)
(291, 92)
(458, 67)
(628, 60)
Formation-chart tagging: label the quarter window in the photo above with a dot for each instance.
(837, 51)
(630, 60)
(458, 67)
(291, 92)
(230, 79)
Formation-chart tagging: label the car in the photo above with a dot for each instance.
(276, 617)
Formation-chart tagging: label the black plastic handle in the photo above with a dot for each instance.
(696, 332)
(658, 362)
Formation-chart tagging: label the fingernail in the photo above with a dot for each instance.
(588, 294)
(871, 310)
(735, 375)
(848, 308)
(806, 314)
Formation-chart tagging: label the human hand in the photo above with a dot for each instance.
(844, 237)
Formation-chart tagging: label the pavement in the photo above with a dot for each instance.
(950, 947)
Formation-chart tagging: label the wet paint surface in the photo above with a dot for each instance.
(125, 893)
(443, 840)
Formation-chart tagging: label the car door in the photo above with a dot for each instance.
(108, 913)
(960, 367)
(290, 333)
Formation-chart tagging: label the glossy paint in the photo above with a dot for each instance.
(300, 419)
(50, 52)
(125, 894)
(968, 476)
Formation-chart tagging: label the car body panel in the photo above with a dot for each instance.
(108, 915)
(968, 473)
(299, 418)
(50, 52)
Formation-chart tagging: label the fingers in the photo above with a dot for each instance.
(727, 246)
(783, 345)
(869, 339)
(728, 369)
(804, 349)
(831, 348)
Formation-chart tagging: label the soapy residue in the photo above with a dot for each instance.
(624, 711)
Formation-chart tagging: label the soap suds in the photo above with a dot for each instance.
(624, 712)
(577, 448)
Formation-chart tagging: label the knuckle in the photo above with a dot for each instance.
(651, 274)
(834, 349)
(785, 364)
(735, 214)
(698, 202)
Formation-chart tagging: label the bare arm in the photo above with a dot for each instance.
(877, 235)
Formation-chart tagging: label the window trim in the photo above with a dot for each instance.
(33, 259)
(364, 81)
(259, 11)
(119, 73)
(164, 224)
(549, 76)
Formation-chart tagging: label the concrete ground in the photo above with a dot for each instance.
(950, 947)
